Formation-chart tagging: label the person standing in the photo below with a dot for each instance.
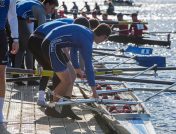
(7, 10)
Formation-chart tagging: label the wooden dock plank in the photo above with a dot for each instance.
(13, 114)
(41, 121)
(26, 117)
(88, 117)
(57, 126)
(83, 123)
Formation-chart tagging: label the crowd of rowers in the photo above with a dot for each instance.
(55, 46)
(124, 29)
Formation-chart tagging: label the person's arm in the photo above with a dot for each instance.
(130, 29)
(87, 57)
(13, 22)
(145, 27)
(74, 57)
(39, 14)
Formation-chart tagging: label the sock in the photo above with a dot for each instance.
(41, 95)
(1, 109)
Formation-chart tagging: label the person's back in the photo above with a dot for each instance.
(24, 8)
(75, 7)
(123, 28)
(45, 28)
(75, 37)
(110, 9)
(87, 7)
(73, 33)
(65, 7)
(97, 8)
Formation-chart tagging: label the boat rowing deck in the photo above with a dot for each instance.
(24, 116)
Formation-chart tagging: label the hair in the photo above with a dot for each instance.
(51, 2)
(105, 14)
(93, 23)
(102, 29)
(119, 15)
(134, 14)
(94, 12)
(82, 21)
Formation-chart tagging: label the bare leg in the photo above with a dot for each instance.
(67, 78)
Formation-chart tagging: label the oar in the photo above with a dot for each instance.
(117, 72)
(76, 103)
(109, 62)
(135, 69)
(121, 22)
(100, 82)
(160, 92)
(150, 89)
(161, 32)
(150, 68)
(104, 49)
(19, 79)
(48, 73)
(133, 57)
(109, 54)
(132, 80)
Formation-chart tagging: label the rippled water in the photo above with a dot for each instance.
(161, 16)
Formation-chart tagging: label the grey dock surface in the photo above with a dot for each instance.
(24, 116)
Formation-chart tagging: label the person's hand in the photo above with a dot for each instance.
(80, 73)
(15, 47)
(39, 70)
(94, 93)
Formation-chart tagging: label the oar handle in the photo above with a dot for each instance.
(111, 72)
(48, 73)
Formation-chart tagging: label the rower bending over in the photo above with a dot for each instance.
(34, 45)
(77, 38)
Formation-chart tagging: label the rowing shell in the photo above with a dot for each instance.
(138, 40)
(134, 118)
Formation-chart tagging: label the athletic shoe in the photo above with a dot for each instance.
(51, 111)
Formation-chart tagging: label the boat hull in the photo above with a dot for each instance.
(138, 40)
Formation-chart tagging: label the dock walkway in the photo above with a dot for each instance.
(24, 116)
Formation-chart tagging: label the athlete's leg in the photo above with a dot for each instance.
(3, 63)
(64, 85)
